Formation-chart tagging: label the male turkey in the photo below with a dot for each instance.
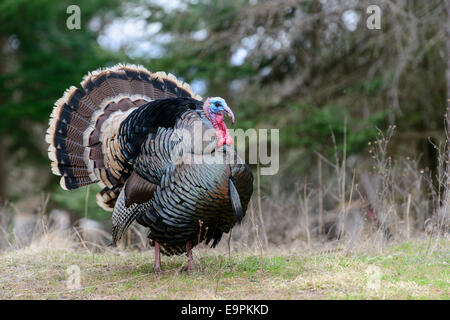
(130, 131)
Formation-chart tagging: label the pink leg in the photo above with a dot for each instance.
(157, 258)
(190, 261)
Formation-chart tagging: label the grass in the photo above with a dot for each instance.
(416, 269)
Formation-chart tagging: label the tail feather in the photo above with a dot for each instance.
(107, 197)
(70, 131)
(83, 126)
(70, 182)
(77, 101)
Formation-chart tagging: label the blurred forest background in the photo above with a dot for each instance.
(361, 111)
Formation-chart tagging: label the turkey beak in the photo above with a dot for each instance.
(229, 113)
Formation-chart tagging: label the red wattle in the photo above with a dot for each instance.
(222, 134)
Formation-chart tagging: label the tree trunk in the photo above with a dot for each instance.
(443, 212)
(447, 71)
(2, 168)
(2, 136)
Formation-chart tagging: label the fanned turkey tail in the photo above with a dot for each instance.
(84, 125)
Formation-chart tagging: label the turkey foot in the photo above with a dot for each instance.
(157, 267)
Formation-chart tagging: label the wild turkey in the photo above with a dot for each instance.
(122, 130)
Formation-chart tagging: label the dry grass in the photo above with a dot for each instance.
(416, 269)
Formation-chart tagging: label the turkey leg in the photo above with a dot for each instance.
(189, 252)
(157, 258)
